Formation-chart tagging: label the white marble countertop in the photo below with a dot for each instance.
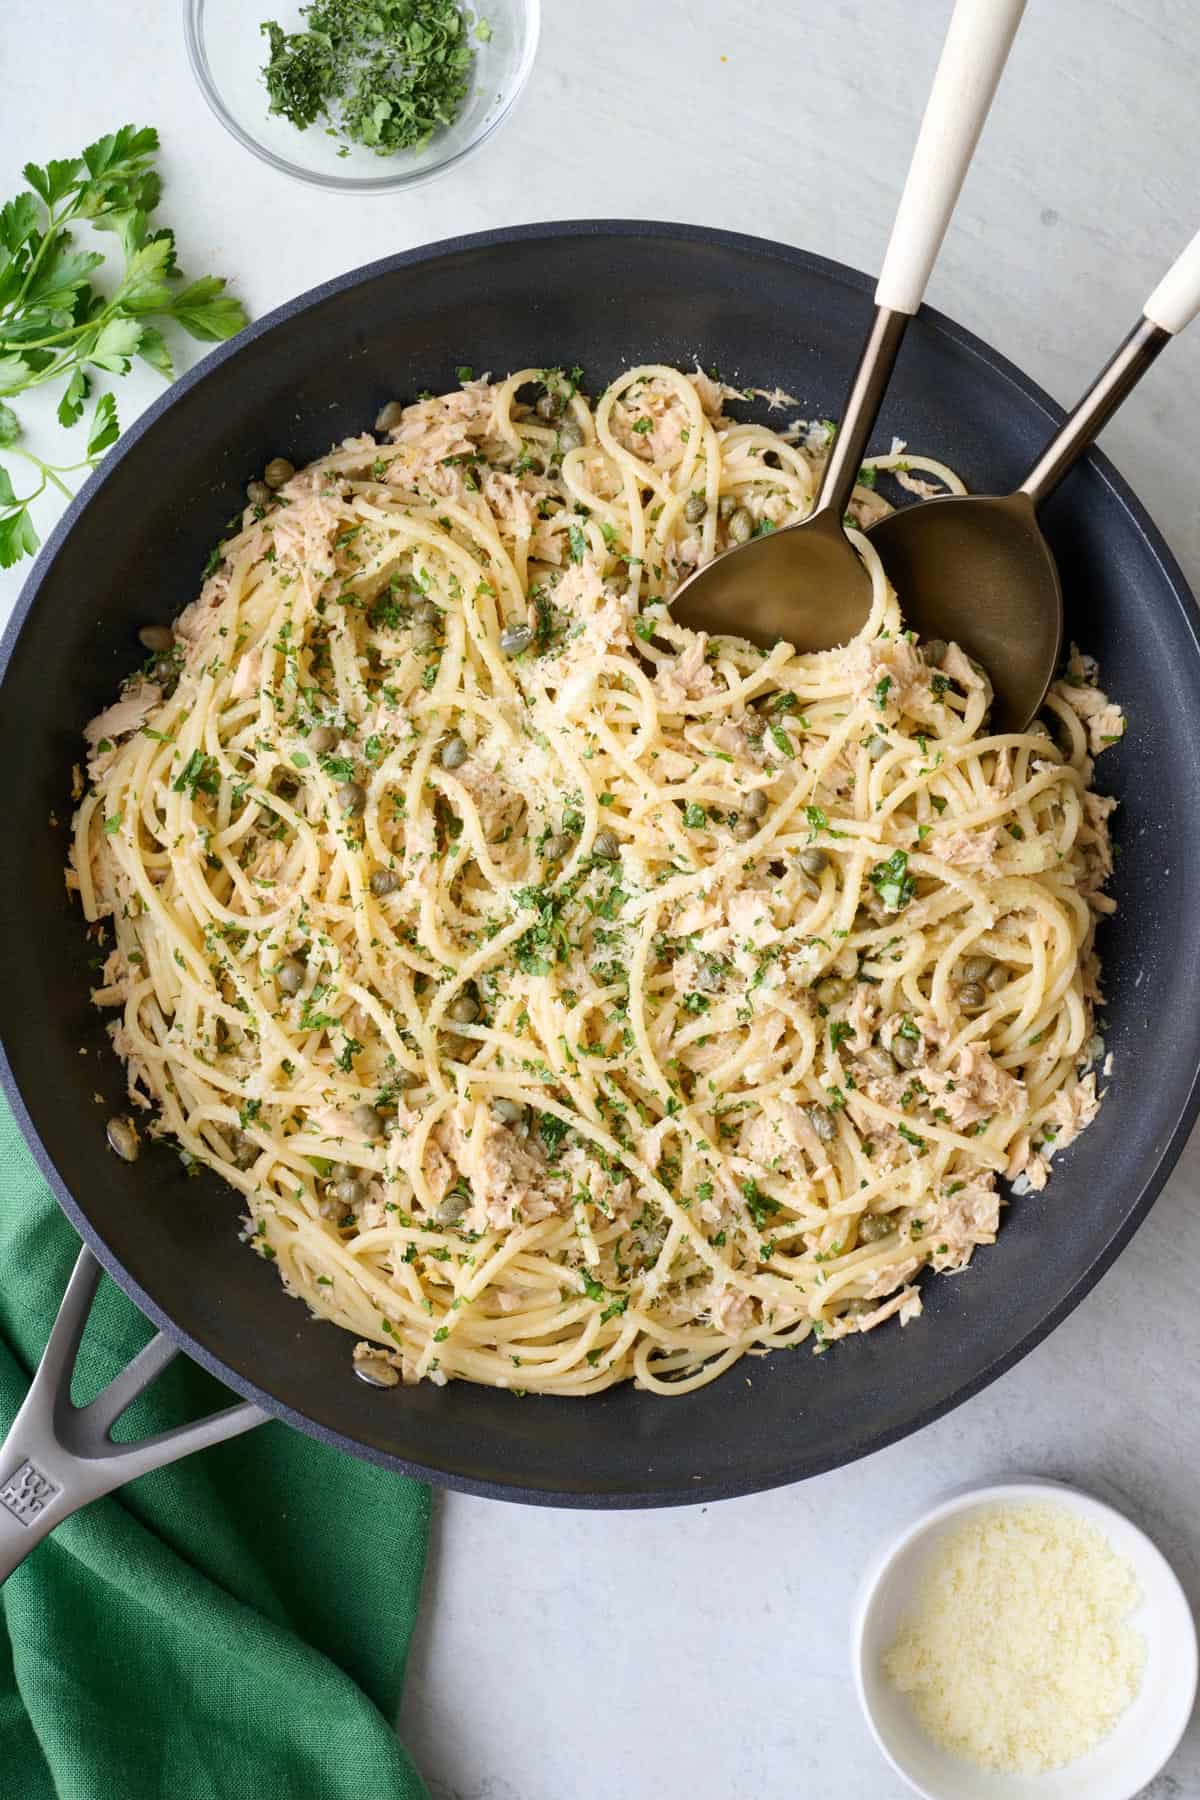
(702, 1654)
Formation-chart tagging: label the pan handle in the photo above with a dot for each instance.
(58, 1456)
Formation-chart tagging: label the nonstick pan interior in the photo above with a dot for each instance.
(131, 550)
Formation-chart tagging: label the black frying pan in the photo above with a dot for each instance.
(131, 550)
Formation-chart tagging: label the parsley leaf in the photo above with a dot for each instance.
(760, 1206)
(198, 776)
(55, 326)
(892, 882)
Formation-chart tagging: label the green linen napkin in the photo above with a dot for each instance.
(234, 1627)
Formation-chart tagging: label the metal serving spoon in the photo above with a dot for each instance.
(806, 584)
(976, 567)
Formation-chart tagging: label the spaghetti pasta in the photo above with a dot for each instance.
(570, 997)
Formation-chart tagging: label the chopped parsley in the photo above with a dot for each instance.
(545, 943)
(892, 882)
(383, 73)
(198, 775)
(759, 1205)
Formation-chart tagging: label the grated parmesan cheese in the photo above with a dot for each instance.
(1020, 1656)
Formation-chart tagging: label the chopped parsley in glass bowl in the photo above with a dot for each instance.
(341, 108)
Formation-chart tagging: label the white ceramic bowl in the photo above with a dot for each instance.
(1143, 1738)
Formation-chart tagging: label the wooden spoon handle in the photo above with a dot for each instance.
(972, 61)
(1173, 305)
(1176, 300)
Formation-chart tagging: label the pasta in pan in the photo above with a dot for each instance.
(573, 998)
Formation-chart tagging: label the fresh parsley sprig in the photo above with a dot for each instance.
(55, 326)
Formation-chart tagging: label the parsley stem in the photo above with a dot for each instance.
(50, 471)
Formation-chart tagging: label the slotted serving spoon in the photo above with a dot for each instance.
(806, 583)
(976, 567)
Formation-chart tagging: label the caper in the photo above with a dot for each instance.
(277, 471)
(463, 1009)
(367, 1120)
(744, 829)
(997, 978)
(976, 968)
(289, 976)
(570, 437)
(551, 405)
(741, 526)
(905, 1050)
(404, 1078)
(516, 638)
(159, 638)
(695, 509)
(322, 739)
(877, 746)
(726, 506)
(709, 976)
(352, 798)
(122, 1138)
(165, 671)
(258, 493)
(878, 1061)
(972, 994)
(812, 860)
(823, 1122)
(934, 652)
(557, 845)
(349, 1193)
(451, 1210)
(389, 416)
(509, 1112)
(873, 1226)
(606, 845)
(425, 612)
(830, 991)
(245, 1150)
(384, 882)
(754, 805)
(342, 1171)
(424, 635)
(453, 753)
(376, 1371)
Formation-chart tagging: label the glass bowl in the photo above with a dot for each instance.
(227, 52)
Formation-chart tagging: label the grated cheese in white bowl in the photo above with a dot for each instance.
(1020, 1655)
(1024, 1641)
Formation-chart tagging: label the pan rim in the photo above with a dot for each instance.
(648, 1495)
